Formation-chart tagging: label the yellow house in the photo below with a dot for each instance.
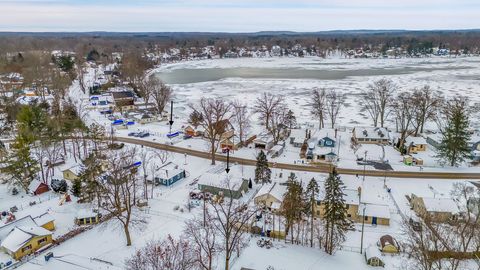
(270, 196)
(352, 199)
(71, 173)
(415, 144)
(375, 214)
(45, 221)
(23, 241)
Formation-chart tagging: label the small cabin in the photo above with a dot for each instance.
(326, 142)
(45, 221)
(87, 217)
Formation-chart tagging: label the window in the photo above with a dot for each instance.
(26, 248)
(348, 215)
(366, 218)
(348, 206)
(318, 213)
(318, 202)
(87, 220)
(41, 241)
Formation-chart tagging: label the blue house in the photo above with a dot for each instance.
(326, 142)
(169, 174)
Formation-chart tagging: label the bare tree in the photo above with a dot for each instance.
(377, 100)
(319, 105)
(146, 158)
(146, 87)
(230, 219)
(426, 103)
(204, 242)
(266, 105)
(278, 123)
(168, 254)
(334, 102)
(215, 114)
(160, 93)
(241, 119)
(119, 187)
(403, 107)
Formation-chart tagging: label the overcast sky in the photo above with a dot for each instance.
(236, 16)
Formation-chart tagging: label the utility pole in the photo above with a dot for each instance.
(364, 165)
(363, 226)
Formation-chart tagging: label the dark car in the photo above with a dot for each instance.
(143, 134)
(132, 134)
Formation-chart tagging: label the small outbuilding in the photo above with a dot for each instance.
(45, 221)
(37, 187)
(373, 257)
(388, 244)
(86, 217)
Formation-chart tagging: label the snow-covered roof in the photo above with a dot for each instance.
(85, 213)
(415, 140)
(34, 185)
(43, 219)
(168, 170)
(298, 134)
(220, 180)
(351, 196)
(440, 205)
(374, 210)
(76, 169)
(263, 139)
(372, 252)
(371, 133)
(19, 236)
(278, 191)
(22, 222)
(277, 148)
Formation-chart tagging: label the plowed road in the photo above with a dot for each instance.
(310, 168)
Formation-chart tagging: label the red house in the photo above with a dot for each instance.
(36, 187)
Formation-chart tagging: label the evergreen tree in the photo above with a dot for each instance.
(293, 205)
(20, 165)
(263, 173)
(311, 193)
(77, 188)
(335, 218)
(89, 177)
(290, 119)
(453, 147)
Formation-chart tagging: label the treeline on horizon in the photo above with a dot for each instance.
(454, 40)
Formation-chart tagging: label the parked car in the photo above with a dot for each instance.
(132, 134)
(143, 134)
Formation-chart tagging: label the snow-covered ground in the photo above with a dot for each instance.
(104, 246)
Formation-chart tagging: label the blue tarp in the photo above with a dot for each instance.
(117, 122)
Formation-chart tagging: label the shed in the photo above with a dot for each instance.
(326, 142)
(263, 142)
(388, 244)
(373, 256)
(86, 217)
(276, 151)
(37, 187)
(415, 144)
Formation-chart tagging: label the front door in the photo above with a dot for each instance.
(374, 220)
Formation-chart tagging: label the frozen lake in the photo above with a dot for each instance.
(294, 78)
(192, 75)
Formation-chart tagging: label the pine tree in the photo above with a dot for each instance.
(311, 193)
(293, 204)
(455, 136)
(290, 120)
(77, 188)
(20, 165)
(336, 222)
(263, 173)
